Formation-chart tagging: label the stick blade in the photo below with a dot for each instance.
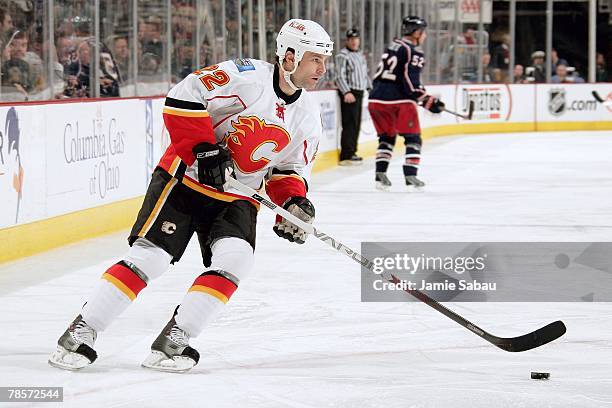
(532, 340)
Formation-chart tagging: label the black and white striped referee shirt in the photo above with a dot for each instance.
(352, 71)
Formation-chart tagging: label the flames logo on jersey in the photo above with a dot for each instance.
(253, 142)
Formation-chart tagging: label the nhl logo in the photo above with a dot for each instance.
(556, 101)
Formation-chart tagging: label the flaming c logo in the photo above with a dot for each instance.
(253, 141)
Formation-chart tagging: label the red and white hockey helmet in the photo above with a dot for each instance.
(302, 36)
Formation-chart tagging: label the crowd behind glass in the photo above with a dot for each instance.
(50, 49)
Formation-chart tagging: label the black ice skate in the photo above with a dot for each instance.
(414, 184)
(353, 161)
(382, 181)
(75, 346)
(171, 351)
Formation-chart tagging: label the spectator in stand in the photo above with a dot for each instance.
(601, 74)
(519, 74)
(18, 45)
(500, 57)
(497, 76)
(77, 74)
(562, 76)
(151, 45)
(6, 21)
(149, 65)
(121, 52)
(467, 37)
(34, 60)
(6, 31)
(183, 61)
(65, 48)
(556, 61)
(16, 71)
(109, 74)
(231, 28)
(78, 71)
(184, 21)
(68, 59)
(537, 71)
(487, 70)
(206, 53)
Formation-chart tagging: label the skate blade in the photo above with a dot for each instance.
(382, 187)
(160, 362)
(68, 360)
(415, 189)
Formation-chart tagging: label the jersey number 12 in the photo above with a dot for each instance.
(216, 77)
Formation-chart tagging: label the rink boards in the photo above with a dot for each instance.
(73, 170)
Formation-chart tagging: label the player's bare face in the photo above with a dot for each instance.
(310, 69)
(418, 37)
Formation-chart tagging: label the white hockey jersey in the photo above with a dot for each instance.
(270, 135)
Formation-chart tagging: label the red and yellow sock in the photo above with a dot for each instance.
(205, 300)
(116, 290)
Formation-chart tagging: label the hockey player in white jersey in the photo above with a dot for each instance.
(245, 118)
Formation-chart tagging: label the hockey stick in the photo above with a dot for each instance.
(466, 117)
(601, 100)
(527, 341)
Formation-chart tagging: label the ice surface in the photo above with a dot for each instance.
(296, 334)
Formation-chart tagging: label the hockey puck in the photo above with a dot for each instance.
(539, 376)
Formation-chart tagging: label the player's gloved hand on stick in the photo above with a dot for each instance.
(215, 164)
(302, 208)
(432, 104)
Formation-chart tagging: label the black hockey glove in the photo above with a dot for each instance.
(434, 105)
(214, 164)
(302, 208)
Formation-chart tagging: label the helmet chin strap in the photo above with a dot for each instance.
(287, 75)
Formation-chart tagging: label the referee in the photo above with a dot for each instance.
(352, 80)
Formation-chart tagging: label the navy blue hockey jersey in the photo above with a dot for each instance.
(398, 76)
